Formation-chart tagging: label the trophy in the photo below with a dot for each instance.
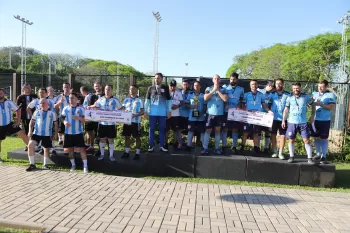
(195, 112)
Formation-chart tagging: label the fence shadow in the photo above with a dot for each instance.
(257, 199)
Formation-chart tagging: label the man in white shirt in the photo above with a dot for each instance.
(173, 123)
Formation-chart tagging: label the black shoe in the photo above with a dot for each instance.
(26, 148)
(41, 152)
(323, 161)
(98, 153)
(45, 167)
(31, 167)
(234, 150)
(136, 157)
(164, 149)
(257, 150)
(310, 161)
(125, 155)
(60, 143)
(150, 148)
(291, 160)
(53, 153)
(166, 146)
(266, 151)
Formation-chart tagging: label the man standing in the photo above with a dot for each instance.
(158, 106)
(255, 102)
(325, 101)
(235, 96)
(23, 101)
(91, 127)
(42, 121)
(51, 94)
(135, 105)
(184, 110)
(107, 130)
(73, 116)
(215, 97)
(277, 100)
(7, 127)
(295, 111)
(174, 122)
(62, 102)
(196, 121)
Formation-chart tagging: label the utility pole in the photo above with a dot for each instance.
(156, 42)
(23, 51)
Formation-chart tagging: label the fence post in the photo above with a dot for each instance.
(132, 80)
(71, 80)
(14, 86)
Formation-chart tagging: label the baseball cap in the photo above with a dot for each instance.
(173, 83)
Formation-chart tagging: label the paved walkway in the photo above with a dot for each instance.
(77, 202)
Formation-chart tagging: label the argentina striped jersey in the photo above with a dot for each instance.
(36, 104)
(87, 100)
(6, 109)
(108, 104)
(64, 104)
(76, 126)
(43, 122)
(133, 105)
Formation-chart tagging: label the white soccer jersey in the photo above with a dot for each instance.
(43, 122)
(6, 109)
(176, 98)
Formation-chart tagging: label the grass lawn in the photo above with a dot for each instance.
(342, 178)
(12, 230)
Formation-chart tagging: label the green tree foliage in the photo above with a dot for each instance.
(310, 60)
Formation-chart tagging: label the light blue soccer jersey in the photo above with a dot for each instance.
(158, 101)
(43, 122)
(215, 105)
(235, 96)
(64, 104)
(201, 103)
(54, 99)
(87, 100)
(6, 109)
(254, 101)
(36, 104)
(76, 125)
(133, 105)
(278, 103)
(108, 104)
(298, 108)
(184, 111)
(325, 98)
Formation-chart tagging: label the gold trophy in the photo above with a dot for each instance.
(195, 112)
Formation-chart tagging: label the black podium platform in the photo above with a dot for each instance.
(192, 164)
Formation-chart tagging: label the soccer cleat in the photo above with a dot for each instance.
(72, 169)
(112, 158)
(86, 170)
(150, 148)
(323, 161)
(281, 156)
(274, 155)
(136, 157)
(31, 167)
(163, 149)
(45, 167)
(101, 157)
(291, 160)
(125, 155)
(218, 152)
(310, 161)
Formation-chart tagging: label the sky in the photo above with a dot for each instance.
(205, 34)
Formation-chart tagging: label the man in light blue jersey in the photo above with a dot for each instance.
(325, 101)
(184, 110)
(277, 101)
(107, 130)
(196, 121)
(295, 111)
(7, 127)
(40, 131)
(158, 106)
(235, 96)
(74, 130)
(215, 97)
(62, 101)
(51, 95)
(254, 102)
(269, 88)
(135, 105)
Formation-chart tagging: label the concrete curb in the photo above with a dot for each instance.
(21, 225)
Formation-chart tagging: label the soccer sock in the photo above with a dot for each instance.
(127, 149)
(267, 142)
(53, 145)
(308, 151)
(234, 138)
(189, 138)
(102, 148)
(138, 151)
(73, 162)
(324, 148)
(217, 140)
(31, 159)
(318, 146)
(275, 150)
(206, 140)
(223, 138)
(280, 152)
(291, 149)
(59, 138)
(85, 163)
(111, 149)
(179, 137)
(45, 160)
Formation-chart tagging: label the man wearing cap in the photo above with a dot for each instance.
(158, 106)
(174, 122)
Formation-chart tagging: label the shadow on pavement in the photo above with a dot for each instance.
(258, 199)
